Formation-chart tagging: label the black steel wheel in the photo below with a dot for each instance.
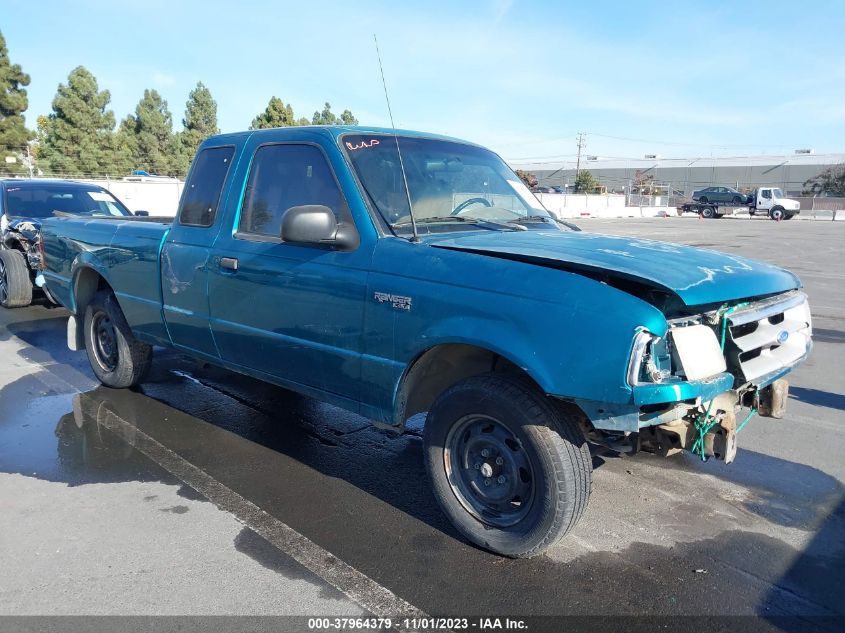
(117, 358)
(15, 283)
(489, 470)
(509, 466)
(708, 212)
(105, 341)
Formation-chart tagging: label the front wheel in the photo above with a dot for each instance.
(510, 468)
(117, 358)
(777, 214)
(15, 284)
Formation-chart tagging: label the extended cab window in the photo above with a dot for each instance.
(285, 176)
(202, 191)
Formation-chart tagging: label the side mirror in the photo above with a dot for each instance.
(142, 214)
(315, 224)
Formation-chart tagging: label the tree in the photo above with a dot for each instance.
(153, 145)
(13, 103)
(199, 123)
(830, 181)
(327, 117)
(76, 138)
(585, 182)
(643, 183)
(125, 147)
(276, 114)
(529, 179)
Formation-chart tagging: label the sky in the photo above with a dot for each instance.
(677, 79)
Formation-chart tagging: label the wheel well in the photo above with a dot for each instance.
(440, 367)
(88, 282)
(14, 245)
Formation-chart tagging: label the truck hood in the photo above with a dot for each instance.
(698, 276)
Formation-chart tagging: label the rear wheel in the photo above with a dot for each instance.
(117, 358)
(703, 199)
(708, 212)
(736, 200)
(15, 284)
(510, 468)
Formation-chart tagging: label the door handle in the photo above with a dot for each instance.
(230, 263)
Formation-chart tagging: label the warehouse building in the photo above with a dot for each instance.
(789, 172)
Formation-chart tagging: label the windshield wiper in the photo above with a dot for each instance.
(545, 220)
(493, 225)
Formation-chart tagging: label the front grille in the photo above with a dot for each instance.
(768, 336)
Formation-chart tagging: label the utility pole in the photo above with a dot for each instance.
(581, 144)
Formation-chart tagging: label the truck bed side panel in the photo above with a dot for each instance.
(133, 261)
(68, 244)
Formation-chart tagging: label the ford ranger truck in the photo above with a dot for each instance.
(394, 274)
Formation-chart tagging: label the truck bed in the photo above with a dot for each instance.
(125, 251)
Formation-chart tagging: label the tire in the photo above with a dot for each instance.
(708, 212)
(777, 214)
(703, 200)
(751, 213)
(737, 200)
(532, 485)
(117, 358)
(15, 284)
(788, 216)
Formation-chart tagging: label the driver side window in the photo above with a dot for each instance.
(285, 176)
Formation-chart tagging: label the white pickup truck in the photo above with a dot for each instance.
(768, 200)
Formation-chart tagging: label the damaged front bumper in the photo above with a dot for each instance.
(668, 428)
(750, 347)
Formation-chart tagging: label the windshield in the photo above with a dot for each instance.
(452, 186)
(49, 200)
(777, 193)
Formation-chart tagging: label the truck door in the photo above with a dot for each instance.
(765, 199)
(185, 253)
(291, 311)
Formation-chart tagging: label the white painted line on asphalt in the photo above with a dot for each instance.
(370, 595)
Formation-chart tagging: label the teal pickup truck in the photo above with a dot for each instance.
(399, 273)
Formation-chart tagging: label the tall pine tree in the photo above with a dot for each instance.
(76, 138)
(13, 103)
(327, 117)
(199, 123)
(149, 135)
(276, 114)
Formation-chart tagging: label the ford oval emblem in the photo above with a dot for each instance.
(782, 336)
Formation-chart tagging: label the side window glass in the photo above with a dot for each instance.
(202, 191)
(285, 176)
(767, 193)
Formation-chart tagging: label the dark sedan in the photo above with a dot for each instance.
(23, 204)
(720, 194)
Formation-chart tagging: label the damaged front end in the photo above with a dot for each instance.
(695, 387)
(25, 236)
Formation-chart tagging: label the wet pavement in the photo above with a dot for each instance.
(101, 511)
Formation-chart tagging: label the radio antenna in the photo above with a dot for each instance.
(416, 237)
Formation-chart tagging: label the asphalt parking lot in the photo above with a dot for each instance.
(207, 493)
